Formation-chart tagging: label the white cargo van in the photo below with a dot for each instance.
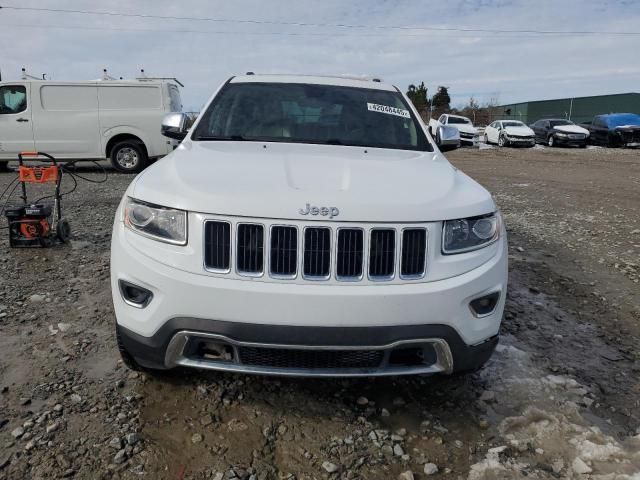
(115, 119)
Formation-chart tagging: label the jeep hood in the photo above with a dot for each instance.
(275, 180)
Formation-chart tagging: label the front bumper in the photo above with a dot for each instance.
(293, 322)
(571, 142)
(311, 351)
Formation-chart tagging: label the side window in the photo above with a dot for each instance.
(13, 99)
(598, 122)
(175, 103)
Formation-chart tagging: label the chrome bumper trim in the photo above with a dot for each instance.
(175, 357)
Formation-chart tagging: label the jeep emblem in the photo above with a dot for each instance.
(324, 211)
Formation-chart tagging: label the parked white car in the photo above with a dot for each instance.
(114, 119)
(468, 133)
(509, 132)
(307, 226)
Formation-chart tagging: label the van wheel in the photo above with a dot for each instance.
(129, 157)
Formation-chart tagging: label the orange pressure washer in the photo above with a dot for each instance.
(38, 224)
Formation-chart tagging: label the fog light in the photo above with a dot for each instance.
(135, 295)
(484, 305)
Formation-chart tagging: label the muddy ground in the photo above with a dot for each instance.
(559, 399)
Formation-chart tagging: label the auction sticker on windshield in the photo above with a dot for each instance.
(399, 112)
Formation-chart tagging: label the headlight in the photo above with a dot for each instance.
(161, 223)
(466, 234)
(563, 135)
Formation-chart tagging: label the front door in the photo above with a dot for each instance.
(16, 126)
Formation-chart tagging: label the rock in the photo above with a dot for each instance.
(397, 450)
(132, 438)
(408, 475)
(30, 445)
(115, 443)
(25, 401)
(57, 407)
(52, 427)
(483, 424)
(35, 298)
(18, 432)
(458, 443)
(75, 398)
(398, 402)
(362, 401)
(120, 457)
(329, 467)
(63, 327)
(430, 468)
(387, 450)
(580, 467)
(385, 413)
(206, 420)
(196, 438)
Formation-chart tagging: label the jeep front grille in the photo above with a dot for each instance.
(414, 252)
(382, 254)
(340, 252)
(217, 246)
(349, 254)
(284, 251)
(316, 262)
(250, 249)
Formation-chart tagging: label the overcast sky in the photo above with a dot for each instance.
(511, 67)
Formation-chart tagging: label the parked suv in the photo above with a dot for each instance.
(308, 226)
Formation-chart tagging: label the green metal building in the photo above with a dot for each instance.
(578, 109)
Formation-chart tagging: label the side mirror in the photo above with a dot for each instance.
(448, 138)
(174, 125)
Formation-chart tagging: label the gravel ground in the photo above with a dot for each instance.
(559, 399)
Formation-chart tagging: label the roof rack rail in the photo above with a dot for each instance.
(26, 76)
(143, 77)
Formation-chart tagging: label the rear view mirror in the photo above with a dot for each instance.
(448, 138)
(174, 125)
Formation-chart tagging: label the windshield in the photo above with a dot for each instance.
(625, 119)
(458, 120)
(318, 114)
(512, 124)
(559, 123)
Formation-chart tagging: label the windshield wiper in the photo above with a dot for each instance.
(236, 138)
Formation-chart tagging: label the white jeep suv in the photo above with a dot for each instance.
(308, 226)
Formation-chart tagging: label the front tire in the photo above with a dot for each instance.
(486, 139)
(551, 141)
(502, 142)
(129, 156)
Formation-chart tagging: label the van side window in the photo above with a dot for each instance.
(175, 103)
(13, 99)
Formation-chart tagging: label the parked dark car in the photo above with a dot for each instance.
(558, 131)
(616, 130)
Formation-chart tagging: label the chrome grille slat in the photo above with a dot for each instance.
(382, 254)
(349, 253)
(217, 245)
(284, 251)
(414, 253)
(316, 263)
(250, 249)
